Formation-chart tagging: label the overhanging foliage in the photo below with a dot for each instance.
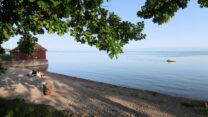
(86, 21)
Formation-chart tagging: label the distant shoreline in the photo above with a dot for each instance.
(92, 98)
(130, 88)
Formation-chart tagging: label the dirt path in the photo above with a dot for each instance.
(97, 99)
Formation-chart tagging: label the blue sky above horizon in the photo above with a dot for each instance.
(187, 30)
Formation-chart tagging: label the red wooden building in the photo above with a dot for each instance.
(39, 53)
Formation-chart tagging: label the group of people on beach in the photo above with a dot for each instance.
(37, 73)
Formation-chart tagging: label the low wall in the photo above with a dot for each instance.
(25, 63)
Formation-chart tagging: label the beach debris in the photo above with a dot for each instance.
(206, 105)
(47, 88)
(169, 60)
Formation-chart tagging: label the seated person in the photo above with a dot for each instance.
(40, 74)
(34, 72)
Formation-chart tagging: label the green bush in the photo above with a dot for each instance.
(19, 108)
(5, 57)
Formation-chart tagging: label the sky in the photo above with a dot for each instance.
(187, 30)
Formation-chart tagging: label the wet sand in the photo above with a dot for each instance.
(91, 98)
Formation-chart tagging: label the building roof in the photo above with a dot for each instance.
(37, 47)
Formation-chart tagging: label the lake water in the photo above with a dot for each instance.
(147, 70)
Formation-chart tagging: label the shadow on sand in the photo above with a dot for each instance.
(92, 98)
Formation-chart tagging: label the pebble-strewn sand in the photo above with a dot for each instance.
(93, 98)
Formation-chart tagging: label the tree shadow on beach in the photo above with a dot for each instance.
(104, 106)
(155, 102)
(19, 84)
(82, 96)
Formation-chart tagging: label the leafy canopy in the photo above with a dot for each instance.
(162, 10)
(86, 21)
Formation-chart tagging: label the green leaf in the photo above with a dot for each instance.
(31, 0)
(21, 1)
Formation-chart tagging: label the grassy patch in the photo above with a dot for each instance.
(199, 108)
(18, 108)
(5, 57)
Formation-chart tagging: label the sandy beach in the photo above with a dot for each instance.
(91, 98)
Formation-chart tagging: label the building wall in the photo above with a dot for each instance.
(39, 55)
(36, 55)
(21, 55)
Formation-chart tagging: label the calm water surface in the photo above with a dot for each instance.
(147, 70)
